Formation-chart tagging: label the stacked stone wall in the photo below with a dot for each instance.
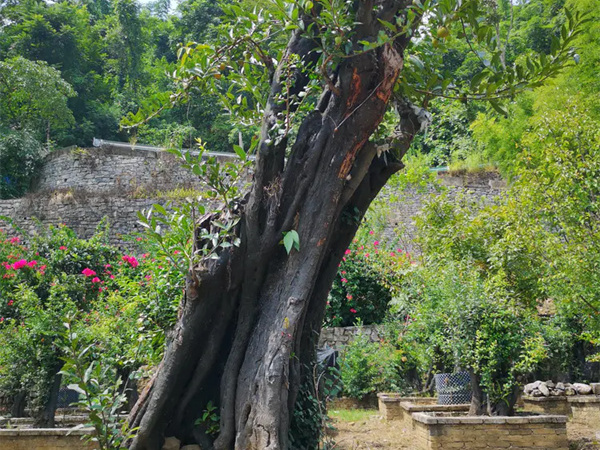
(338, 337)
(78, 187)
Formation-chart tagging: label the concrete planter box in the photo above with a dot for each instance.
(395, 407)
(585, 412)
(46, 439)
(547, 405)
(439, 432)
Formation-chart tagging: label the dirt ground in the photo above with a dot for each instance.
(366, 430)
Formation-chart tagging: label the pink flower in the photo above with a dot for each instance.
(6, 265)
(392, 254)
(376, 243)
(32, 263)
(352, 310)
(20, 263)
(344, 280)
(1, 319)
(88, 272)
(367, 255)
(131, 260)
(138, 239)
(112, 277)
(14, 240)
(107, 266)
(95, 280)
(62, 247)
(371, 232)
(349, 297)
(347, 252)
(148, 277)
(176, 252)
(362, 247)
(343, 272)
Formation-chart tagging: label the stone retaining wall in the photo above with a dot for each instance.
(78, 187)
(338, 337)
(494, 433)
(46, 439)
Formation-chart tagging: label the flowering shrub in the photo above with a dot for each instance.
(364, 284)
(117, 301)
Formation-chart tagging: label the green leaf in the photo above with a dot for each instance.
(291, 240)
(499, 108)
(239, 150)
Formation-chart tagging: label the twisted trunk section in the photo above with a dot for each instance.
(251, 320)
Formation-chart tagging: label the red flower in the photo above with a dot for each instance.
(32, 263)
(352, 310)
(349, 297)
(88, 272)
(10, 302)
(62, 247)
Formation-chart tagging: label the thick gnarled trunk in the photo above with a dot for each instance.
(251, 320)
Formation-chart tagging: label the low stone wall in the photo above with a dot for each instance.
(585, 413)
(389, 404)
(46, 439)
(338, 337)
(547, 405)
(493, 433)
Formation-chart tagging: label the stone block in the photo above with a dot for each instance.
(171, 443)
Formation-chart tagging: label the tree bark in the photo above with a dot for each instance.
(45, 417)
(481, 405)
(250, 320)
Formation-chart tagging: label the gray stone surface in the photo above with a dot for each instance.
(78, 187)
(171, 443)
(582, 388)
(338, 337)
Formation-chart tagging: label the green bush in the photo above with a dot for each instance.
(20, 156)
(369, 367)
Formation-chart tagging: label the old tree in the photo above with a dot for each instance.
(342, 87)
